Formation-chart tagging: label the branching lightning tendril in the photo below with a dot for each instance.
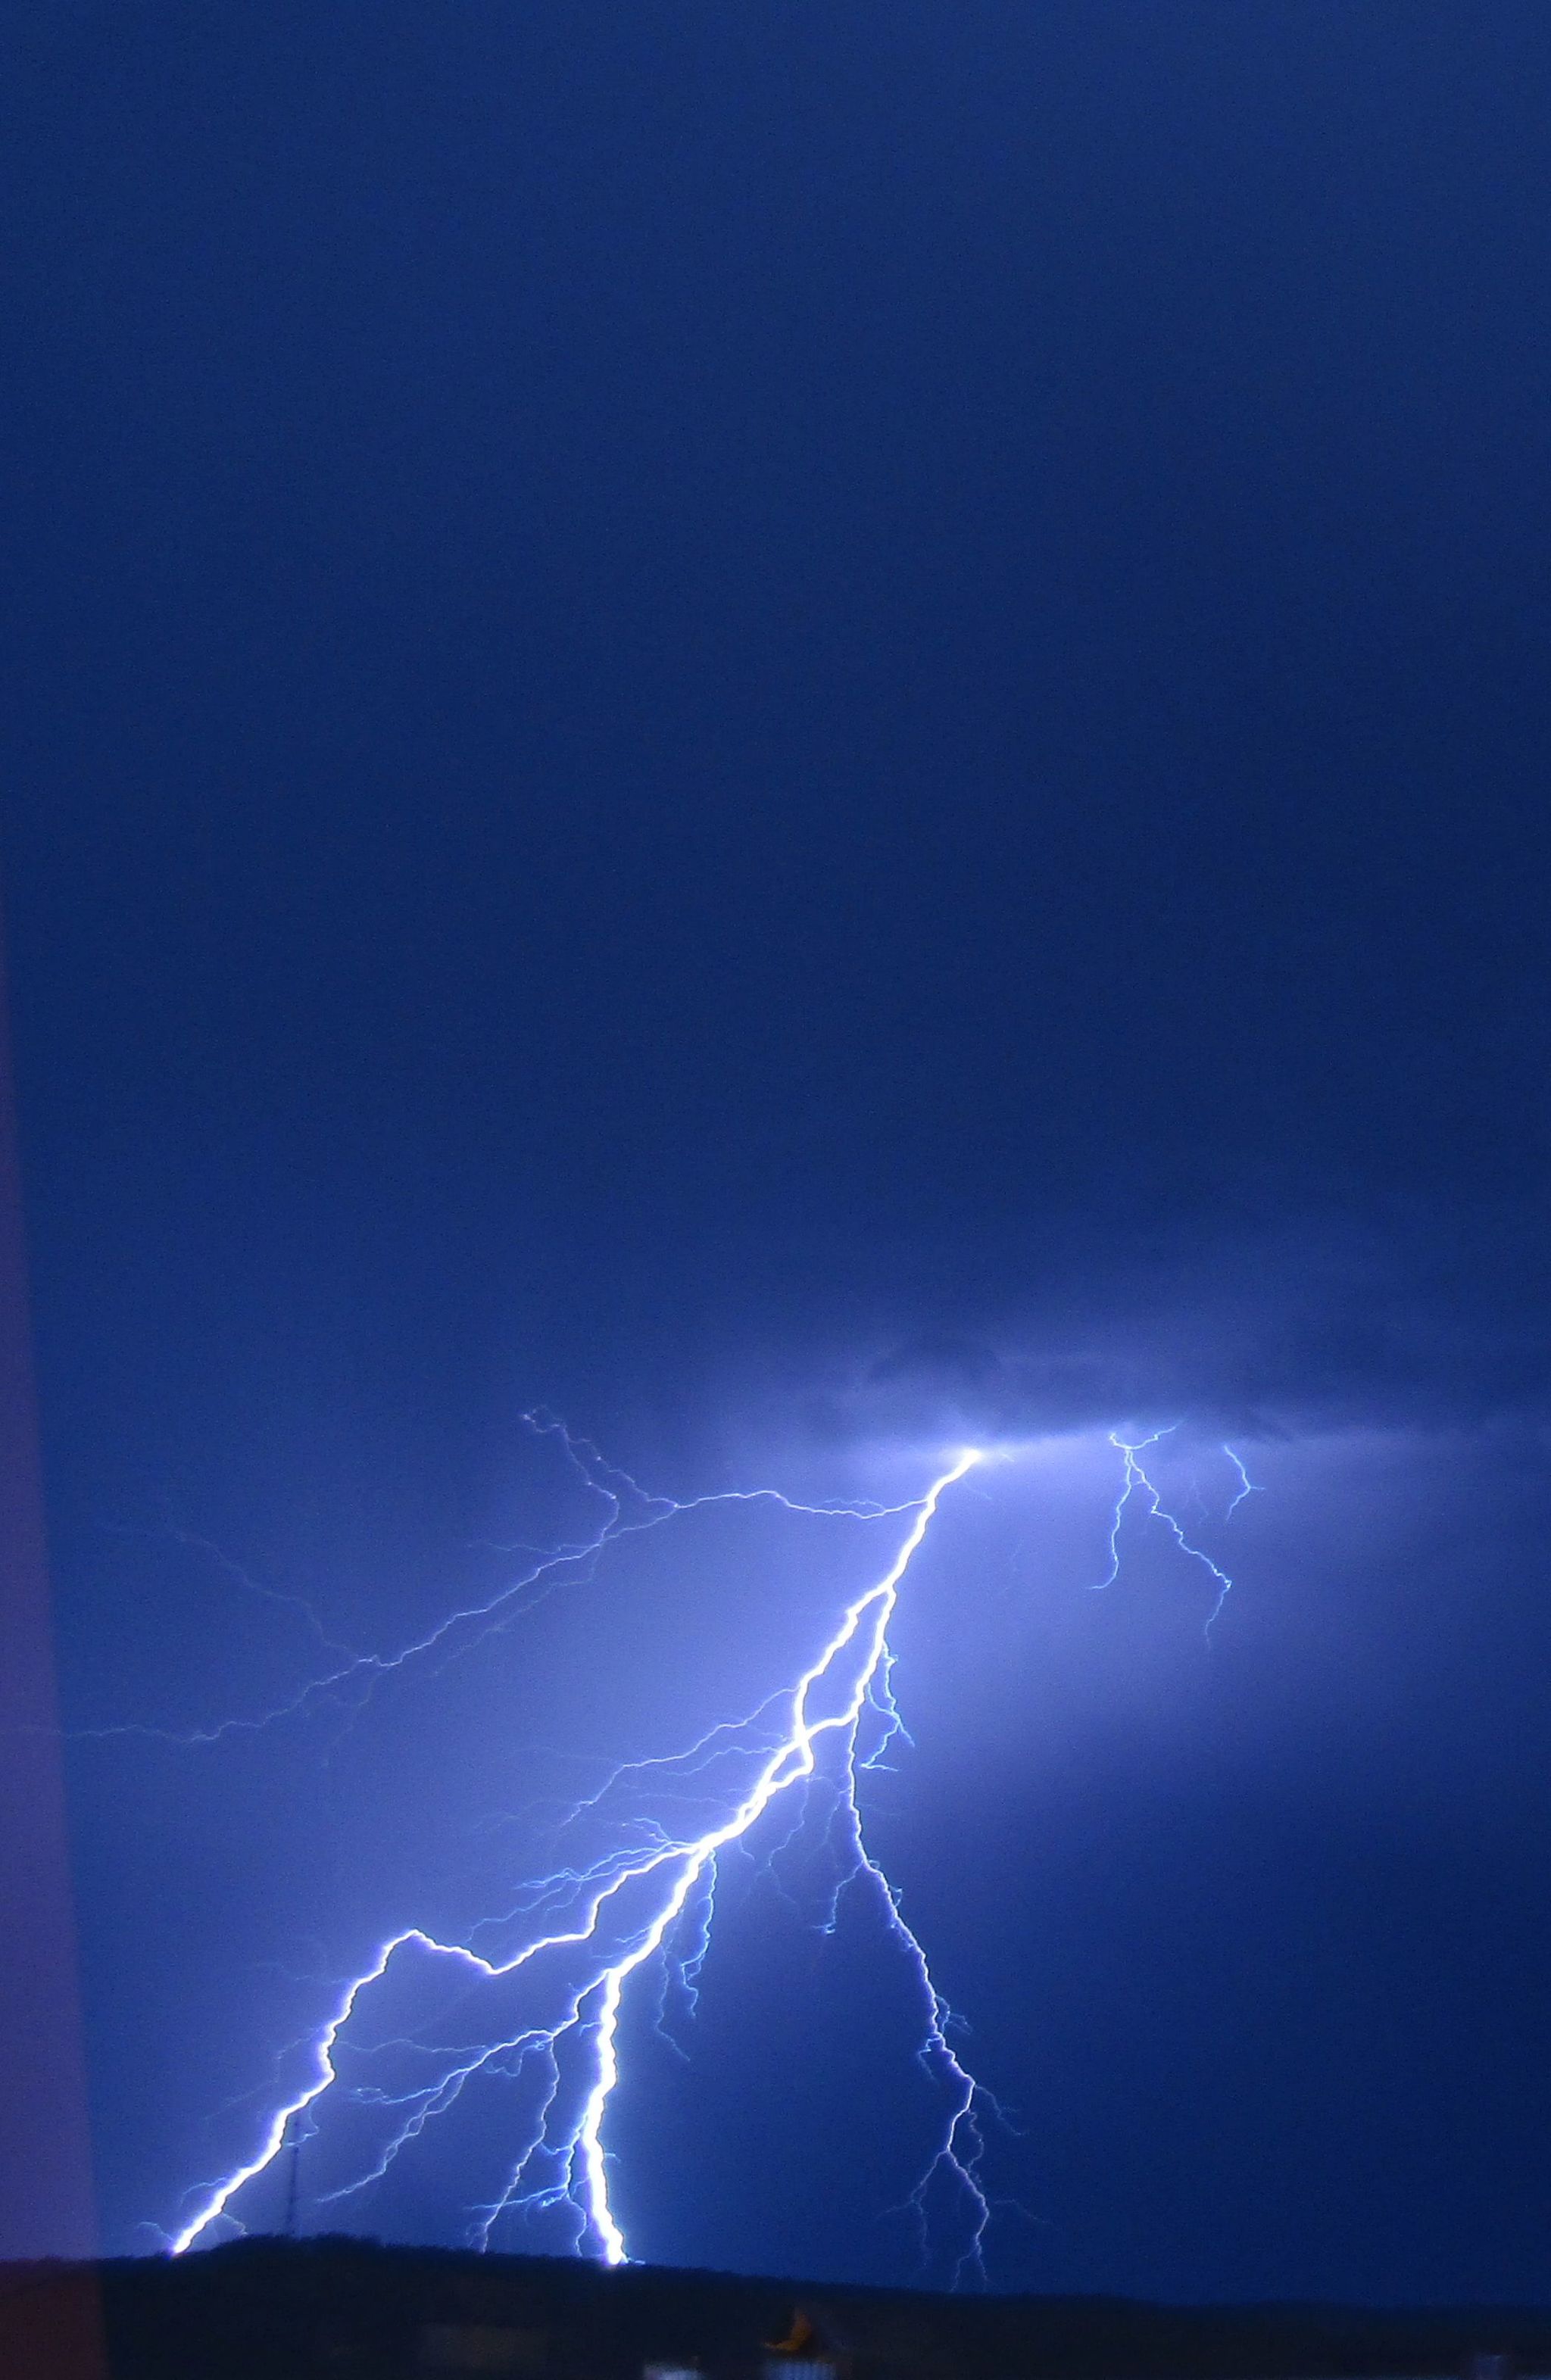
(1136, 1482)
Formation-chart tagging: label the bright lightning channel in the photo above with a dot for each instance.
(616, 1912)
(680, 1866)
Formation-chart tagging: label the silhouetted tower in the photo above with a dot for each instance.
(291, 2184)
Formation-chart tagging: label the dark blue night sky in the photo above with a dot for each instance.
(814, 732)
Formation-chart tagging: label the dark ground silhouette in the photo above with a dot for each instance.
(264, 2309)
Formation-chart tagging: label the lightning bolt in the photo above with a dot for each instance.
(627, 1905)
(550, 2012)
(1134, 1481)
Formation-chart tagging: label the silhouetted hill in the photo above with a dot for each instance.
(345, 2309)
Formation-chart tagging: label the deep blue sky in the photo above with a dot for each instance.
(781, 722)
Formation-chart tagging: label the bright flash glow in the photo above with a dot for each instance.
(653, 1894)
